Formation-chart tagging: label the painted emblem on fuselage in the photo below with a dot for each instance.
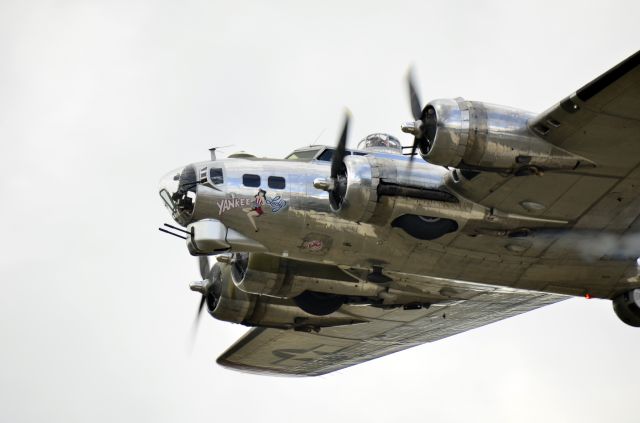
(276, 203)
(253, 207)
(259, 200)
(232, 203)
(313, 245)
(316, 243)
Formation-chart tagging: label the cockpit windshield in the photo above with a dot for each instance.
(303, 154)
(325, 154)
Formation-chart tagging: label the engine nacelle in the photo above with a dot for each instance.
(281, 277)
(627, 307)
(365, 179)
(236, 306)
(357, 196)
(232, 304)
(481, 136)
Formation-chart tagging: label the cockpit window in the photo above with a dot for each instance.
(216, 176)
(250, 180)
(302, 154)
(326, 155)
(276, 182)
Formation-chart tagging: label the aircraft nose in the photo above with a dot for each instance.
(177, 190)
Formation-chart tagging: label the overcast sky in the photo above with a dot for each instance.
(99, 99)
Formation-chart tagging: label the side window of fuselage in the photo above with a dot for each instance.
(276, 182)
(215, 174)
(251, 180)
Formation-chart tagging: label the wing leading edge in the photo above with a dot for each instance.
(293, 353)
(600, 120)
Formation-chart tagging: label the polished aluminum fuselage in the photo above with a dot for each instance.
(306, 228)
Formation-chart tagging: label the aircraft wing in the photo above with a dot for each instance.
(601, 205)
(600, 121)
(293, 353)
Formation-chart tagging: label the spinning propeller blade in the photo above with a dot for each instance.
(205, 272)
(416, 110)
(341, 148)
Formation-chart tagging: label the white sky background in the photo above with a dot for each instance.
(99, 100)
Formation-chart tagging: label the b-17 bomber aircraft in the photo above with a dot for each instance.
(336, 256)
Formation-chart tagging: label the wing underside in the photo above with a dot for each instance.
(293, 353)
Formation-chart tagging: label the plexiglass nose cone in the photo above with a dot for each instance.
(177, 190)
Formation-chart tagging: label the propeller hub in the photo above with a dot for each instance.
(199, 286)
(224, 258)
(413, 128)
(325, 184)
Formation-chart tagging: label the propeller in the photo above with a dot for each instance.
(336, 184)
(416, 105)
(210, 287)
(337, 161)
(424, 127)
(337, 187)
